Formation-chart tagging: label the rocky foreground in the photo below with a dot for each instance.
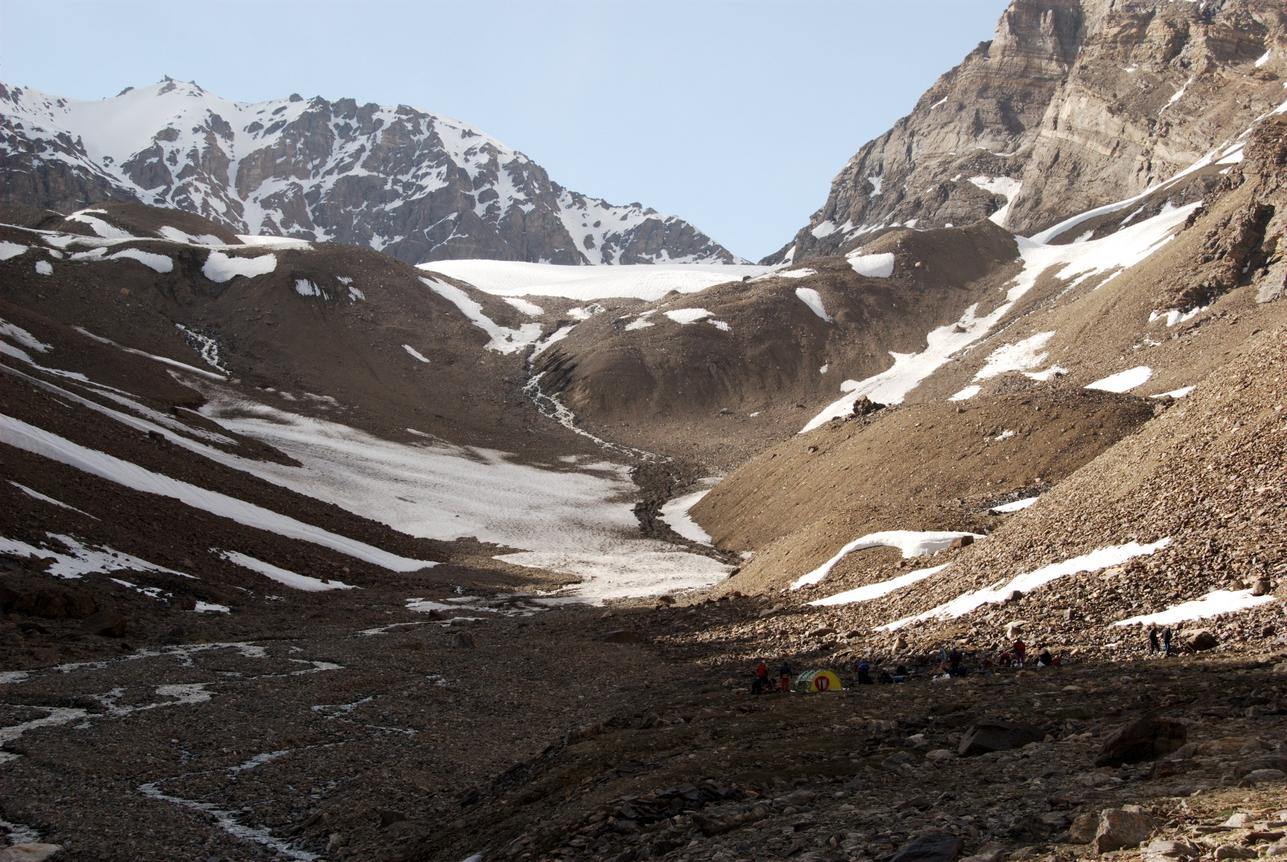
(488, 726)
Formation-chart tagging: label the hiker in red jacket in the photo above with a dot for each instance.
(761, 683)
(1020, 652)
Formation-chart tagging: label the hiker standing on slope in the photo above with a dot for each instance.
(1153, 646)
(1166, 641)
(1020, 652)
(761, 683)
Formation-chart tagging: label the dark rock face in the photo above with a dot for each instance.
(414, 185)
(1147, 738)
(990, 736)
(1073, 104)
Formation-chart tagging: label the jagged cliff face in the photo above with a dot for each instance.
(1074, 103)
(414, 185)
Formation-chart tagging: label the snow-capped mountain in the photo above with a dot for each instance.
(409, 183)
(1072, 104)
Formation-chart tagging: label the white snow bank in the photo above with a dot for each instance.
(872, 265)
(286, 243)
(531, 309)
(1123, 381)
(503, 339)
(219, 267)
(676, 515)
(1020, 356)
(1213, 604)
(883, 588)
(155, 262)
(967, 393)
(173, 234)
(1094, 561)
(912, 543)
(97, 225)
(45, 498)
(29, 438)
(415, 354)
(648, 282)
(685, 316)
(78, 559)
(44, 267)
(283, 576)
(304, 287)
(10, 249)
(14, 332)
(1182, 392)
(1174, 316)
(813, 299)
(1014, 506)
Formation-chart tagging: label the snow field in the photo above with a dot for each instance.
(1213, 604)
(221, 268)
(649, 282)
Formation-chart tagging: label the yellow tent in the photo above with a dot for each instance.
(817, 680)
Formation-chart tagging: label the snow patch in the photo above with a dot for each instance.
(1213, 604)
(503, 339)
(1020, 356)
(1015, 506)
(676, 515)
(307, 583)
(155, 262)
(1103, 558)
(912, 543)
(1123, 381)
(649, 282)
(875, 591)
(415, 354)
(872, 265)
(813, 299)
(220, 268)
(44, 267)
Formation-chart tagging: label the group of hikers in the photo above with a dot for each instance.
(948, 664)
(1156, 644)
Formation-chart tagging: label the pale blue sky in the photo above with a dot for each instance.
(734, 114)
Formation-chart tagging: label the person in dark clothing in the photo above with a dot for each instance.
(1153, 645)
(954, 659)
(1166, 641)
(864, 672)
(901, 673)
(761, 683)
(1044, 658)
(884, 677)
(785, 673)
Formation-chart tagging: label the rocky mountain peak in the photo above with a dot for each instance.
(413, 184)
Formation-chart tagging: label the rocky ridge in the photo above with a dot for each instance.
(1073, 104)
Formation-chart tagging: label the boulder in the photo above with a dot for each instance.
(1233, 851)
(1013, 629)
(463, 640)
(929, 847)
(1262, 776)
(1083, 828)
(989, 736)
(1146, 738)
(1262, 587)
(1122, 827)
(1203, 640)
(1163, 850)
